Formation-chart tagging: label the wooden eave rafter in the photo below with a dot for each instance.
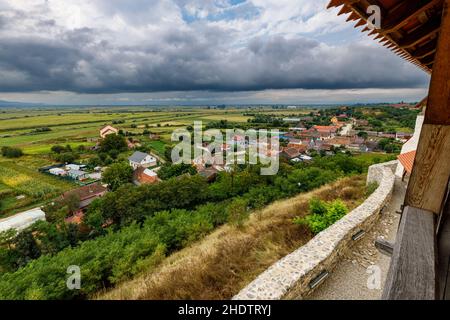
(409, 28)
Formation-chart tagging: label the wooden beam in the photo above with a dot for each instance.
(412, 274)
(426, 50)
(427, 60)
(420, 34)
(404, 12)
(438, 111)
(431, 171)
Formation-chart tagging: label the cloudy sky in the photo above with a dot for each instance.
(194, 52)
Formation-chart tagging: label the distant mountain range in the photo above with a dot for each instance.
(19, 104)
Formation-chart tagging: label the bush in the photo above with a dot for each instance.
(322, 214)
(11, 152)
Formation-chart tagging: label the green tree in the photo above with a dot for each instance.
(27, 248)
(113, 142)
(117, 175)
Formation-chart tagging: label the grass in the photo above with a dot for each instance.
(220, 265)
(158, 146)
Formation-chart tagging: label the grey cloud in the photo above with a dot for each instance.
(198, 57)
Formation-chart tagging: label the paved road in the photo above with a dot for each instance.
(349, 279)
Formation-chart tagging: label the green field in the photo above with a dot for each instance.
(35, 187)
(79, 127)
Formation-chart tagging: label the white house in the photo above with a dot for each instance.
(58, 172)
(141, 159)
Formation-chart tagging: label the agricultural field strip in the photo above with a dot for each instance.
(52, 124)
(145, 119)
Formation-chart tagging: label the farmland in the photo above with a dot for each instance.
(29, 185)
(36, 130)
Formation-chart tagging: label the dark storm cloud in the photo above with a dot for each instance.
(200, 57)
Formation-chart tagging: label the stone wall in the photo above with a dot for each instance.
(298, 274)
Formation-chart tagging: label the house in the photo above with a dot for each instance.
(290, 153)
(87, 195)
(131, 144)
(107, 131)
(297, 144)
(77, 174)
(74, 167)
(326, 131)
(58, 172)
(339, 141)
(292, 120)
(319, 145)
(144, 176)
(141, 159)
(294, 142)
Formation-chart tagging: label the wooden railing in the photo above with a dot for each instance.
(413, 273)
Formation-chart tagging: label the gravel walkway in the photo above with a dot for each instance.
(349, 279)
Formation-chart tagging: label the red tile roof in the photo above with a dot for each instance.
(140, 175)
(87, 192)
(326, 128)
(407, 160)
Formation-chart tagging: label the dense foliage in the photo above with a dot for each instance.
(322, 214)
(11, 152)
(151, 221)
(169, 170)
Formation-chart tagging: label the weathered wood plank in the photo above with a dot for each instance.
(431, 171)
(412, 274)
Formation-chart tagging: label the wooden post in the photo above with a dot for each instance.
(431, 172)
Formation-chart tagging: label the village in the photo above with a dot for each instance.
(300, 140)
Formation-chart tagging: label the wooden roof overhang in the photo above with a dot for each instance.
(410, 28)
